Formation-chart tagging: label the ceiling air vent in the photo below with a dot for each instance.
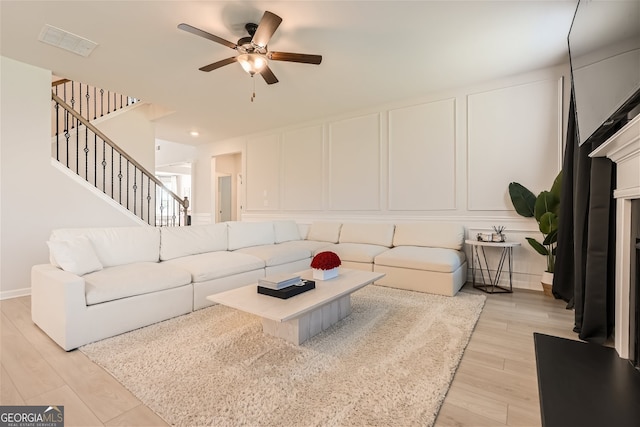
(66, 40)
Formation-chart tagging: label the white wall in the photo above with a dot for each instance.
(449, 156)
(133, 131)
(36, 196)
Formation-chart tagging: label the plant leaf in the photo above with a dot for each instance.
(551, 238)
(548, 223)
(523, 200)
(556, 188)
(537, 246)
(545, 202)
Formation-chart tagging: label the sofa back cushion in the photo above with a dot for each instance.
(176, 242)
(324, 231)
(118, 245)
(286, 231)
(371, 233)
(429, 234)
(245, 234)
(76, 256)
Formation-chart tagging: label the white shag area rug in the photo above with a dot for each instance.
(389, 363)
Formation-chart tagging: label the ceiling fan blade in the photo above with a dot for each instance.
(267, 26)
(268, 76)
(198, 32)
(295, 57)
(218, 64)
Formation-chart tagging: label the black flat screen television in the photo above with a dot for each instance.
(604, 49)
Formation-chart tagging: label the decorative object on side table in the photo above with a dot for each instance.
(325, 265)
(545, 208)
(497, 237)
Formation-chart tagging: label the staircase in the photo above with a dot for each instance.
(81, 147)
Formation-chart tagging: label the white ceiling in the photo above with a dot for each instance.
(374, 53)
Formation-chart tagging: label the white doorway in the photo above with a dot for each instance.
(226, 181)
(224, 199)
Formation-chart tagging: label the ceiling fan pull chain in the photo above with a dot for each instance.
(253, 96)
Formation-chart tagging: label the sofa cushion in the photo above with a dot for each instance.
(176, 242)
(286, 231)
(357, 252)
(422, 258)
(75, 256)
(245, 234)
(324, 232)
(371, 233)
(214, 265)
(277, 254)
(429, 234)
(118, 245)
(128, 280)
(311, 245)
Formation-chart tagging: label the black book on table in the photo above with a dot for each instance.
(288, 292)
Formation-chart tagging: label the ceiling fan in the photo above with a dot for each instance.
(254, 55)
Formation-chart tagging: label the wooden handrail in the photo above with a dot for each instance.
(59, 82)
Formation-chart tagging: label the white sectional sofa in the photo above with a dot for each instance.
(103, 282)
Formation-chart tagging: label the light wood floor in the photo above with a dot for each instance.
(495, 385)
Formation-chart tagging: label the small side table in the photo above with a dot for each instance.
(491, 286)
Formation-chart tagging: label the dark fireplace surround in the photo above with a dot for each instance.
(634, 329)
(623, 149)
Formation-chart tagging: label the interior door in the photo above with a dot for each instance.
(224, 198)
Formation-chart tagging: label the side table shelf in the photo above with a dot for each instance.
(490, 284)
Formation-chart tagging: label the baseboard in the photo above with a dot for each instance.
(15, 293)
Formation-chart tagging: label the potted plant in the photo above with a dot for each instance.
(545, 209)
(325, 265)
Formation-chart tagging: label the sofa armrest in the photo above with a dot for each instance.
(57, 300)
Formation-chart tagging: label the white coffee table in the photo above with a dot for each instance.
(300, 317)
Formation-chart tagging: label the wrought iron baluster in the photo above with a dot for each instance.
(141, 195)
(86, 155)
(120, 181)
(87, 98)
(149, 201)
(135, 187)
(112, 195)
(57, 108)
(80, 91)
(67, 135)
(127, 184)
(77, 146)
(104, 166)
(95, 160)
(101, 102)
(95, 103)
(73, 101)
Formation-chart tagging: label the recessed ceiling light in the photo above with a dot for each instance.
(66, 40)
(194, 133)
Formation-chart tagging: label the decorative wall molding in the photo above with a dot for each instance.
(422, 156)
(509, 129)
(354, 164)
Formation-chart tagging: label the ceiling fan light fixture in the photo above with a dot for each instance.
(252, 63)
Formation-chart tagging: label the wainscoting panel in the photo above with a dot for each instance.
(354, 164)
(302, 167)
(263, 173)
(514, 134)
(422, 157)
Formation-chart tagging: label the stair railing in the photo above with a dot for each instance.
(88, 152)
(89, 101)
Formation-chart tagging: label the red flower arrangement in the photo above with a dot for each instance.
(325, 261)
